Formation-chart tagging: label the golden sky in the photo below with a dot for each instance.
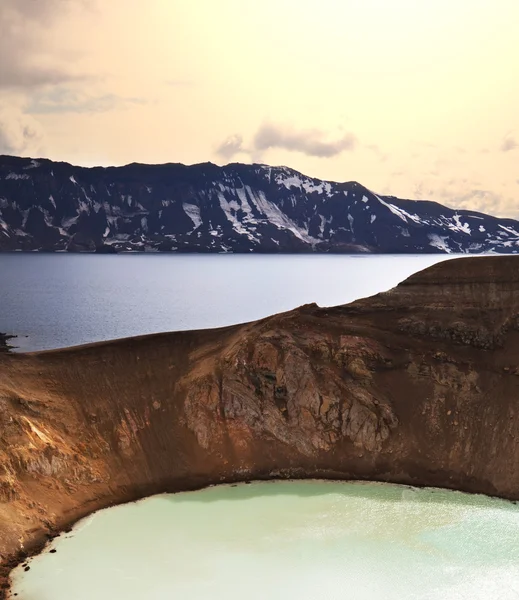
(416, 98)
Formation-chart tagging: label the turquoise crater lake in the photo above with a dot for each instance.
(286, 540)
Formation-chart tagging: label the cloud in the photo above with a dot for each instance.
(24, 60)
(467, 196)
(376, 150)
(508, 143)
(35, 10)
(441, 163)
(231, 146)
(66, 100)
(19, 133)
(423, 144)
(179, 82)
(461, 193)
(418, 191)
(482, 200)
(311, 142)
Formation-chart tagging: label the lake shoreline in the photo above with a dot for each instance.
(43, 539)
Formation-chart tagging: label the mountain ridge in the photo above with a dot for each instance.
(240, 208)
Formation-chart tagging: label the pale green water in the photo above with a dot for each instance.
(287, 540)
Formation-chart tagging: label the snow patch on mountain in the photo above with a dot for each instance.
(323, 187)
(276, 217)
(193, 212)
(244, 205)
(509, 230)
(230, 208)
(16, 176)
(399, 212)
(464, 227)
(34, 164)
(289, 182)
(439, 241)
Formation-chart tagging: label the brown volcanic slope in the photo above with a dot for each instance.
(417, 385)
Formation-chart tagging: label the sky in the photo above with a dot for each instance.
(414, 98)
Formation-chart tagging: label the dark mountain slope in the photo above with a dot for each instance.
(52, 206)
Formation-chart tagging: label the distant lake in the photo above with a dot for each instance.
(57, 300)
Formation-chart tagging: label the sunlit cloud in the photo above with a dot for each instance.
(25, 61)
(19, 133)
(67, 100)
(231, 146)
(509, 143)
(311, 142)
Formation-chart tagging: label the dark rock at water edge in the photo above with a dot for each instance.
(51, 206)
(4, 345)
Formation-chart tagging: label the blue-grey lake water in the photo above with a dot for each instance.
(58, 300)
(308, 540)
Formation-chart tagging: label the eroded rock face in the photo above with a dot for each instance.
(418, 385)
(308, 393)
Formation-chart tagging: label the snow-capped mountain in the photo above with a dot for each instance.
(52, 206)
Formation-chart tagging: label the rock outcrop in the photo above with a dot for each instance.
(419, 385)
(4, 342)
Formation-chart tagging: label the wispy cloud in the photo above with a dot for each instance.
(231, 146)
(509, 143)
(486, 201)
(423, 144)
(376, 150)
(66, 100)
(311, 142)
(180, 83)
(23, 27)
(19, 133)
(465, 194)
